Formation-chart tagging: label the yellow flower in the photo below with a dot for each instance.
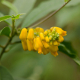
(59, 30)
(23, 34)
(45, 44)
(45, 50)
(38, 45)
(30, 44)
(53, 48)
(47, 39)
(64, 33)
(41, 36)
(42, 41)
(24, 44)
(23, 37)
(30, 34)
(61, 38)
(38, 29)
(55, 43)
(54, 53)
(46, 32)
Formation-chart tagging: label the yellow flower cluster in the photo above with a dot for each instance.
(42, 41)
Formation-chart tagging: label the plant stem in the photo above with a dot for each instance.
(50, 15)
(1, 46)
(10, 39)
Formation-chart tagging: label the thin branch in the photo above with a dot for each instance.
(49, 16)
(10, 39)
(1, 46)
(15, 42)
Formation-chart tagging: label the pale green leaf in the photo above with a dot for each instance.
(66, 15)
(10, 5)
(23, 7)
(4, 74)
(3, 18)
(42, 10)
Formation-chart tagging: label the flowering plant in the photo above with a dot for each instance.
(21, 39)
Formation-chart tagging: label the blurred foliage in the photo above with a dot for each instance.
(25, 65)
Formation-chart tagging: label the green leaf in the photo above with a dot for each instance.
(66, 15)
(17, 16)
(10, 5)
(23, 7)
(66, 47)
(66, 0)
(5, 31)
(4, 74)
(42, 10)
(3, 18)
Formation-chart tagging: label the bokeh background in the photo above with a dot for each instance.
(30, 65)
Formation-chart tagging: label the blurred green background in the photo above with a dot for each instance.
(25, 65)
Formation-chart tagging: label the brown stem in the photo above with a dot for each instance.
(10, 39)
(49, 15)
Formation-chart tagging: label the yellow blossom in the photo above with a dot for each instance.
(56, 43)
(24, 44)
(23, 34)
(45, 44)
(38, 29)
(42, 41)
(30, 34)
(47, 39)
(60, 38)
(54, 53)
(41, 36)
(30, 44)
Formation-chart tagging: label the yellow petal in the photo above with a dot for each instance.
(53, 48)
(24, 45)
(58, 30)
(47, 39)
(30, 44)
(30, 34)
(40, 50)
(38, 29)
(23, 34)
(41, 36)
(46, 32)
(45, 50)
(54, 53)
(64, 33)
(45, 44)
(55, 43)
(61, 38)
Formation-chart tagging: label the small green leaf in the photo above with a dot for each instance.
(10, 5)
(4, 18)
(67, 48)
(17, 16)
(66, 0)
(5, 31)
(4, 74)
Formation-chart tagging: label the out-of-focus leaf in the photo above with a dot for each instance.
(5, 31)
(10, 5)
(23, 7)
(73, 3)
(4, 74)
(3, 18)
(67, 48)
(42, 10)
(66, 15)
(1, 14)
